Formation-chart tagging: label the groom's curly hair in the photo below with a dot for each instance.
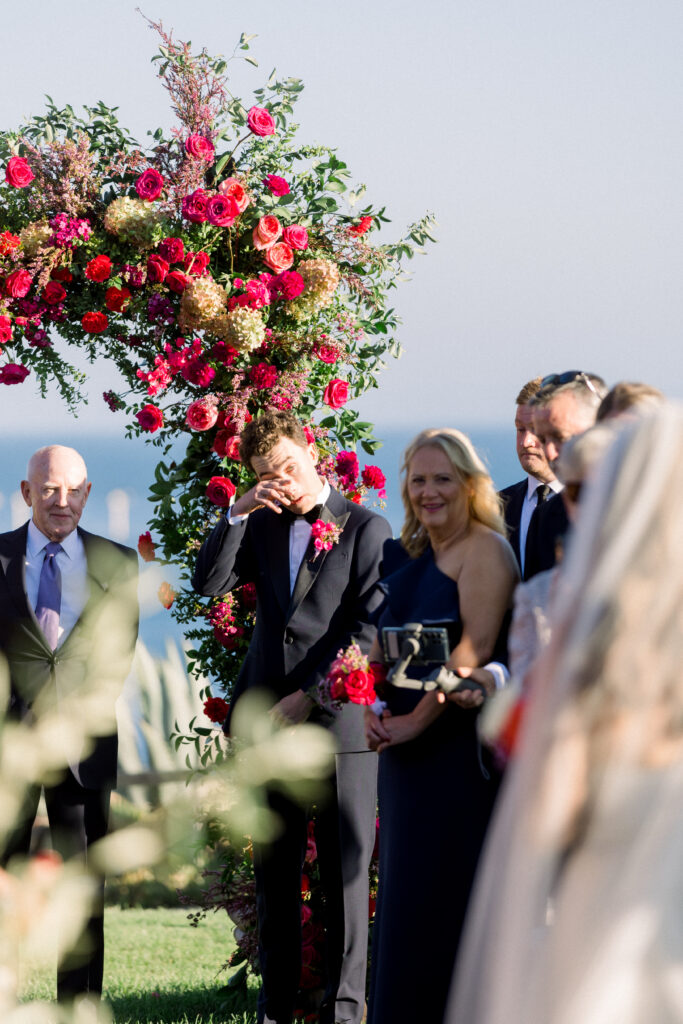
(261, 435)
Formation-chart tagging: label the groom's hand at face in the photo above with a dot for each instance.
(270, 494)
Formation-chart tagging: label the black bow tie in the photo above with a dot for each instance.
(310, 516)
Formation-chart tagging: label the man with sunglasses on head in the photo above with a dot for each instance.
(565, 405)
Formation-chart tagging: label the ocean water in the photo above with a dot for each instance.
(121, 470)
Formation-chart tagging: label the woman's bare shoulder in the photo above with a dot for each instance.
(491, 547)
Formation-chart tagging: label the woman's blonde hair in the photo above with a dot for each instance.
(484, 504)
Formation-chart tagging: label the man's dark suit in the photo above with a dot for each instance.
(513, 503)
(94, 657)
(295, 639)
(547, 524)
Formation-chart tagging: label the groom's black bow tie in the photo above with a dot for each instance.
(310, 516)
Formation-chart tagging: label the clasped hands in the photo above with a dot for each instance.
(273, 494)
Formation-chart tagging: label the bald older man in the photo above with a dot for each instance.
(68, 625)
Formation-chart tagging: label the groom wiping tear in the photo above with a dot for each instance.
(308, 608)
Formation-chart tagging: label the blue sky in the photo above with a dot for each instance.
(544, 135)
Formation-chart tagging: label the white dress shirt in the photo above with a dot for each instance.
(299, 535)
(73, 567)
(528, 506)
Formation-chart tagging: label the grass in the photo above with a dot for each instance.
(159, 970)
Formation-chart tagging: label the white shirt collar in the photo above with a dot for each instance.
(533, 482)
(324, 494)
(36, 541)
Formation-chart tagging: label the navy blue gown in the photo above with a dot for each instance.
(436, 795)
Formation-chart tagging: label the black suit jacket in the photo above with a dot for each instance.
(97, 653)
(297, 636)
(513, 502)
(552, 525)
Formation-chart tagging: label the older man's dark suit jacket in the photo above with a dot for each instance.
(98, 650)
(513, 502)
(552, 526)
(296, 638)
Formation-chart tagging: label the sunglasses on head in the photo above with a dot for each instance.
(556, 380)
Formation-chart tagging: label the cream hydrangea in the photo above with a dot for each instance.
(133, 221)
(243, 328)
(202, 301)
(321, 279)
(34, 236)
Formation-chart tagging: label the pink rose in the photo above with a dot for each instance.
(200, 148)
(202, 414)
(157, 269)
(233, 188)
(359, 687)
(5, 329)
(53, 293)
(222, 211)
(150, 419)
(94, 323)
(194, 206)
(336, 393)
(18, 174)
(232, 448)
(177, 281)
(295, 236)
(373, 477)
(220, 490)
(279, 257)
(278, 186)
(290, 284)
(18, 283)
(266, 232)
(172, 250)
(326, 353)
(149, 185)
(260, 121)
(13, 373)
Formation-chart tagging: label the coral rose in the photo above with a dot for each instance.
(116, 300)
(53, 293)
(18, 174)
(150, 418)
(149, 185)
(98, 269)
(202, 414)
(166, 594)
(13, 373)
(146, 548)
(276, 185)
(279, 257)
(18, 283)
(266, 232)
(157, 269)
(220, 490)
(94, 323)
(295, 236)
(260, 121)
(222, 211)
(234, 189)
(199, 147)
(336, 393)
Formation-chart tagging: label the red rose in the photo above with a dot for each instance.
(146, 548)
(172, 250)
(295, 236)
(194, 206)
(149, 185)
(216, 709)
(276, 185)
(326, 353)
(279, 257)
(94, 323)
(221, 442)
(195, 263)
(222, 211)
(248, 596)
(359, 687)
(62, 274)
(177, 281)
(336, 393)
(220, 490)
(373, 477)
(199, 147)
(263, 376)
(18, 174)
(98, 269)
(202, 414)
(18, 283)
(8, 242)
(13, 373)
(5, 329)
(157, 269)
(166, 594)
(266, 232)
(234, 188)
(53, 293)
(116, 299)
(150, 418)
(232, 448)
(260, 121)
(347, 466)
(364, 225)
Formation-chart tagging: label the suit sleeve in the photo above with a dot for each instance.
(224, 560)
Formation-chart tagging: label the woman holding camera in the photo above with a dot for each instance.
(436, 789)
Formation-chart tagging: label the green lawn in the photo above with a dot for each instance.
(159, 970)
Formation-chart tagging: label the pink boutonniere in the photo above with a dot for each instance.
(324, 536)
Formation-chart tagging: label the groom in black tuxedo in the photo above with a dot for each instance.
(68, 625)
(309, 606)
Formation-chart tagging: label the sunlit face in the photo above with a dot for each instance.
(56, 491)
(558, 420)
(437, 495)
(293, 467)
(529, 449)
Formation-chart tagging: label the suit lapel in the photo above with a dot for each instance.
(277, 544)
(313, 560)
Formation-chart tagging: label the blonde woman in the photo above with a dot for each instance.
(435, 789)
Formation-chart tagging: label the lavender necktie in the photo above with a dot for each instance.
(49, 600)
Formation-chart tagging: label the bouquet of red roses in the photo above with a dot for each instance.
(352, 678)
